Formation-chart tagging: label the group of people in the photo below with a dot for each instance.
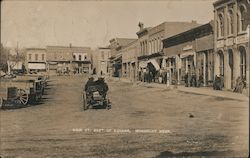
(100, 83)
(240, 85)
(192, 81)
(152, 76)
(218, 82)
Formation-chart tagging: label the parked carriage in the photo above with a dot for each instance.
(20, 91)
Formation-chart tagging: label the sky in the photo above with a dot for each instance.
(90, 23)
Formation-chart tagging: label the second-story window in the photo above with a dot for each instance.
(29, 56)
(42, 56)
(80, 57)
(36, 57)
(221, 25)
(74, 57)
(230, 22)
(85, 57)
(240, 20)
(102, 55)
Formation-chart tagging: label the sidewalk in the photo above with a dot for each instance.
(201, 90)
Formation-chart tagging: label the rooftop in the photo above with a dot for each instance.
(69, 47)
(35, 48)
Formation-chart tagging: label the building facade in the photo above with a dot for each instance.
(231, 40)
(81, 60)
(101, 60)
(150, 59)
(190, 53)
(129, 60)
(36, 59)
(69, 59)
(115, 64)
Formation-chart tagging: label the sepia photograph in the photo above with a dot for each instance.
(124, 79)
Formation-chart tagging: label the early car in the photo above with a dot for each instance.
(95, 97)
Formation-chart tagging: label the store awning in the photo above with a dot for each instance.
(52, 63)
(155, 64)
(118, 57)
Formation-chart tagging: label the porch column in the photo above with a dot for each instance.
(186, 59)
(227, 72)
(204, 69)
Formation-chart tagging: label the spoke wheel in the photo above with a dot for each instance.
(84, 101)
(23, 96)
(1, 102)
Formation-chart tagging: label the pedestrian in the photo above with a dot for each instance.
(89, 83)
(200, 80)
(165, 77)
(237, 85)
(221, 81)
(103, 87)
(160, 77)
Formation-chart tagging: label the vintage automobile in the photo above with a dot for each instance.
(18, 92)
(94, 97)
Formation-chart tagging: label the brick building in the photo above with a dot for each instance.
(116, 45)
(129, 60)
(231, 40)
(36, 59)
(190, 52)
(101, 60)
(151, 46)
(69, 59)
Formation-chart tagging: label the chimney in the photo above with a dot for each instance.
(141, 25)
(194, 21)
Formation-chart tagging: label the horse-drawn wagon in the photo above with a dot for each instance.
(20, 91)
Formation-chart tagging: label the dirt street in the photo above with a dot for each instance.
(143, 122)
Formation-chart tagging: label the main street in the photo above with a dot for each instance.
(194, 124)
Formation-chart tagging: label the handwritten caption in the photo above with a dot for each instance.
(101, 130)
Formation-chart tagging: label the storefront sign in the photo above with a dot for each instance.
(143, 64)
(37, 66)
(242, 39)
(229, 41)
(186, 54)
(188, 47)
(220, 44)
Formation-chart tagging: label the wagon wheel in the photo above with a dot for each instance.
(84, 101)
(1, 102)
(22, 96)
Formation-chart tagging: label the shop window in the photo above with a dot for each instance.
(36, 57)
(221, 60)
(242, 62)
(29, 56)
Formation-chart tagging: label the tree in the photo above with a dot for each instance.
(4, 52)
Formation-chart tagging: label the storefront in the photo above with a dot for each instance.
(150, 65)
(190, 55)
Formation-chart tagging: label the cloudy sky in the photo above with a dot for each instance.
(90, 23)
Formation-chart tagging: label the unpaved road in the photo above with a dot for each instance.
(56, 127)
